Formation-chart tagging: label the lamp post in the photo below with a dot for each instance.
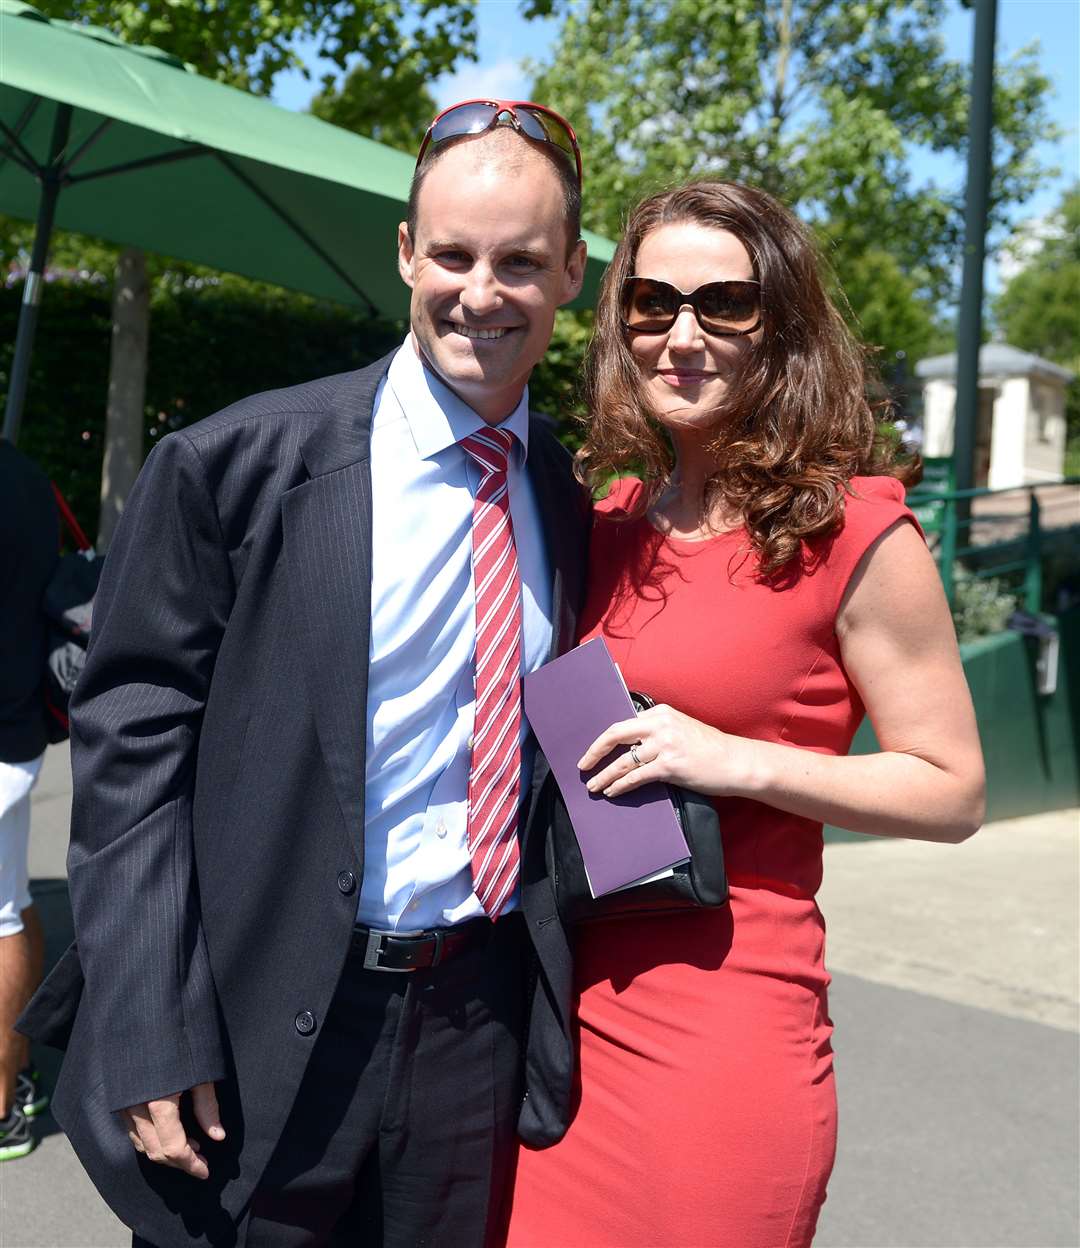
(969, 326)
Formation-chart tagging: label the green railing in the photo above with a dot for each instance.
(951, 516)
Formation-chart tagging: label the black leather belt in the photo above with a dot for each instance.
(417, 951)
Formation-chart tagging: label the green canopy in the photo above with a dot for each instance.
(126, 143)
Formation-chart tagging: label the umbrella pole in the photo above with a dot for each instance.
(31, 300)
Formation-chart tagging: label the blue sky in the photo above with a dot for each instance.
(505, 40)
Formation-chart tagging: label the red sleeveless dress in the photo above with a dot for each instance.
(707, 1112)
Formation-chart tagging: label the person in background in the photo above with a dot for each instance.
(762, 580)
(29, 549)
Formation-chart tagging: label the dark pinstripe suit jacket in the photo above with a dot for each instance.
(218, 760)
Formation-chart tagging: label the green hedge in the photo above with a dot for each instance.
(208, 348)
(65, 401)
(209, 345)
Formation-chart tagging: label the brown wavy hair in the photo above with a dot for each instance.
(792, 429)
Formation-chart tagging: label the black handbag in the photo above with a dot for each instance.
(701, 882)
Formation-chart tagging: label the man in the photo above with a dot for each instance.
(29, 547)
(300, 924)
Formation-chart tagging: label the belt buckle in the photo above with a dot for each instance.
(372, 950)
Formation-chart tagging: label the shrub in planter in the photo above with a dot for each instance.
(981, 607)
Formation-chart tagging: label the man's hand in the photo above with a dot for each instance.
(155, 1129)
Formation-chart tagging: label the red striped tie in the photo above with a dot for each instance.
(495, 769)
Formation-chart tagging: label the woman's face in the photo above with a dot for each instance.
(687, 371)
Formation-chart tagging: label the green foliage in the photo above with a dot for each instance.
(555, 386)
(819, 101)
(385, 94)
(248, 44)
(981, 607)
(1039, 310)
(378, 108)
(64, 420)
(208, 348)
(884, 308)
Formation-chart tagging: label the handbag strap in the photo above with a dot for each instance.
(68, 518)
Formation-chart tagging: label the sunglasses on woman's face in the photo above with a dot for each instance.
(727, 309)
(535, 121)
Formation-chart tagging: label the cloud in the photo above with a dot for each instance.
(1025, 244)
(502, 80)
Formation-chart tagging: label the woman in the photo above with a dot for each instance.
(765, 583)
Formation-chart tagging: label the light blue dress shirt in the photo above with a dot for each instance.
(420, 706)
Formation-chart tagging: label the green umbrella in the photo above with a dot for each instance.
(127, 143)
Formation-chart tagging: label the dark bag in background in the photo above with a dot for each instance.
(701, 882)
(68, 608)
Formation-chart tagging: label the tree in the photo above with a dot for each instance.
(387, 50)
(247, 43)
(385, 94)
(819, 101)
(884, 307)
(1039, 309)
(391, 110)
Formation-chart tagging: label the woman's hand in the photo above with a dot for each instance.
(671, 747)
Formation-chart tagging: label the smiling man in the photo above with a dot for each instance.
(308, 909)
(486, 282)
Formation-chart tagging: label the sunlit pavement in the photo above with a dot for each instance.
(957, 1012)
(956, 1000)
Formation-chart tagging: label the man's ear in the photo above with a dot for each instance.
(405, 253)
(574, 273)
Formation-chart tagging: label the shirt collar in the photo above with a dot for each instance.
(436, 417)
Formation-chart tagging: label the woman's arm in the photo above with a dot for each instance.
(899, 648)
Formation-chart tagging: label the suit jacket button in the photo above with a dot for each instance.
(346, 882)
(305, 1022)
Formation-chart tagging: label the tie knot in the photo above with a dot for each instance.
(490, 448)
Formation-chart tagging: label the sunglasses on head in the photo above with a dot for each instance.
(534, 121)
(727, 309)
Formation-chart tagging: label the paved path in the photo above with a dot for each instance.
(1001, 516)
(957, 1014)
(46, 1200)
(956, 999)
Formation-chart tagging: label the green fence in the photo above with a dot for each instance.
(963, 531)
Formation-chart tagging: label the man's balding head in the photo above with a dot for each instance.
(488, 260)
(506, 152)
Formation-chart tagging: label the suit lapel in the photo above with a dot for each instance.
(327, 534)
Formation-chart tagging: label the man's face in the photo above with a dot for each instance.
(488, 268)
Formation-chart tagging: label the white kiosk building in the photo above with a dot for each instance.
(1020, 427)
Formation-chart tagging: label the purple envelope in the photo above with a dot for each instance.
(624, 840)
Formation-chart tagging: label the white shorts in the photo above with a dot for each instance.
(16, 781)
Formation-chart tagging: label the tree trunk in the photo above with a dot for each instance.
(124, 419)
